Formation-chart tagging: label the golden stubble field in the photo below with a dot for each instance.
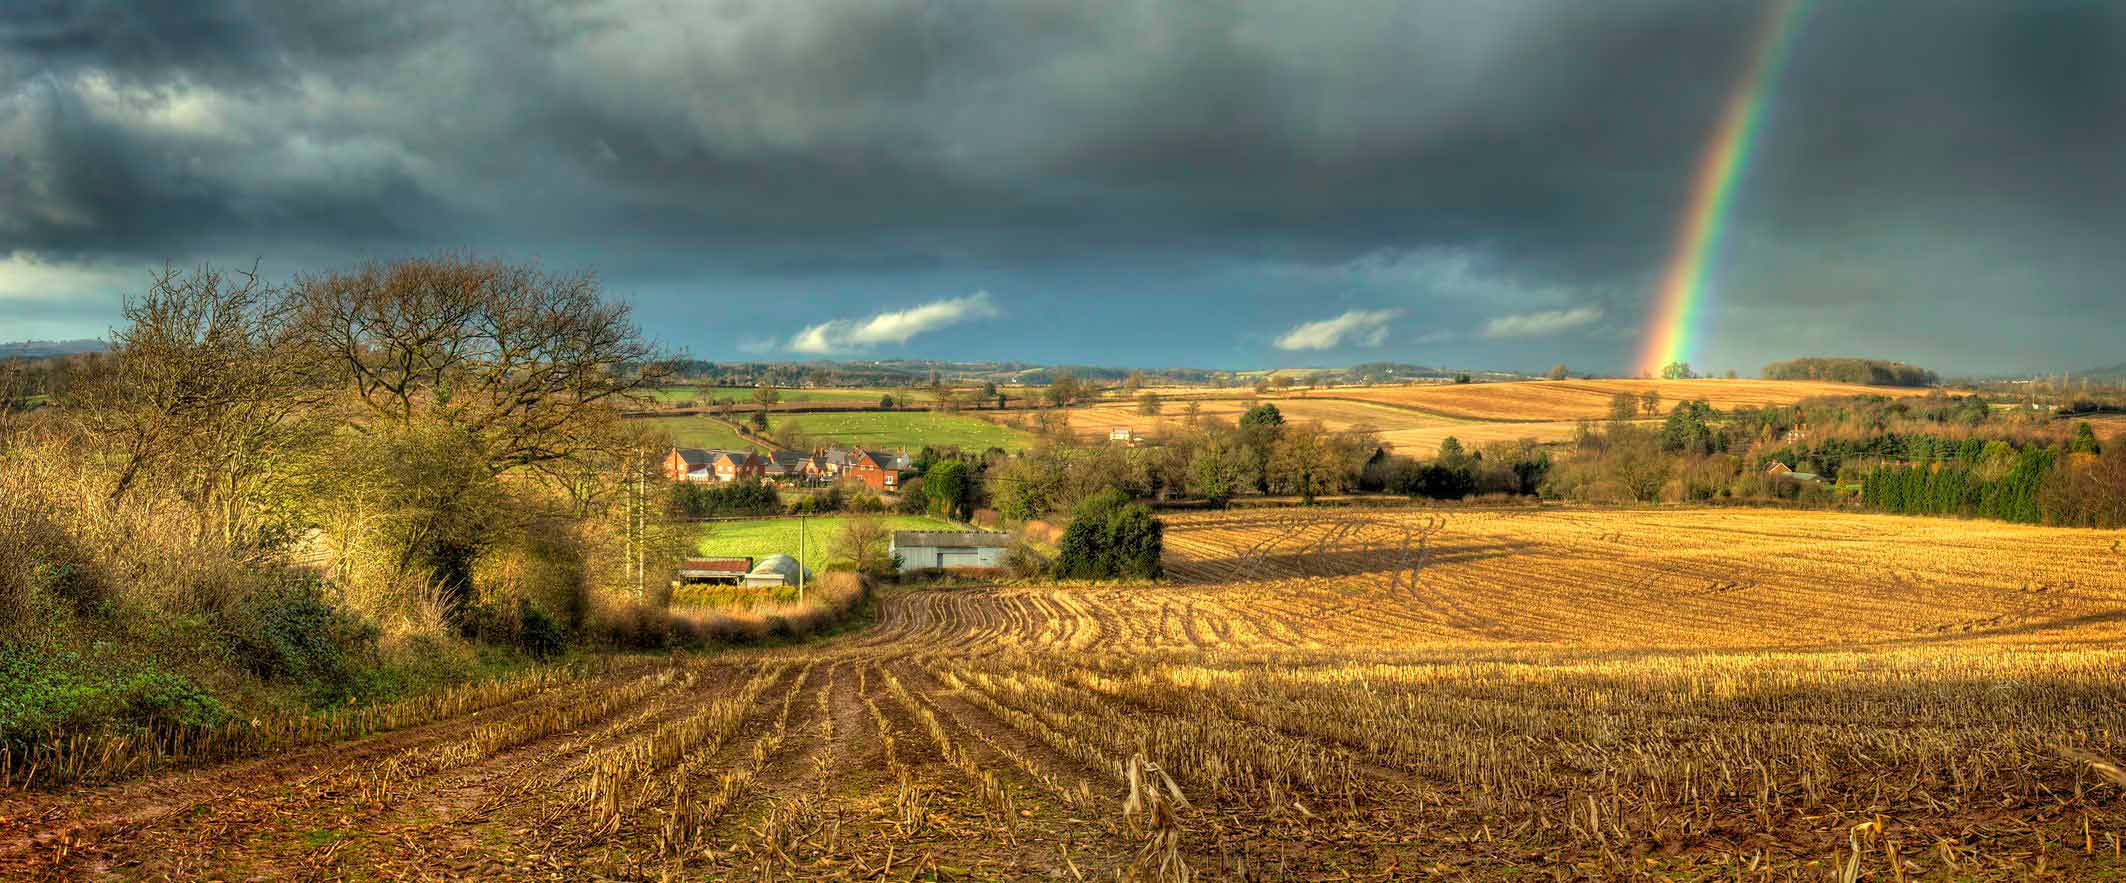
(1512, 693)
(1415, 418)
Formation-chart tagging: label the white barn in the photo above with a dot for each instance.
(949, 549)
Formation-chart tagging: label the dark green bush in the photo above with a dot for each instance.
(538, 633)
(45, 692)
(1108, 538)
(286, 629)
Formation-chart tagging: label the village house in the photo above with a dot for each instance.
(1783, 472)
(878, 469)
(698, 465)
(790, 467)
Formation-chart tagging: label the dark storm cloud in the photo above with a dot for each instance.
(1544, 149)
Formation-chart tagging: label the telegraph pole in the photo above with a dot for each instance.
(642, 516)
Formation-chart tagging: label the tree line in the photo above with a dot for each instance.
(1871, 372)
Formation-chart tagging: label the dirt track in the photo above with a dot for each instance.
(1324, 713)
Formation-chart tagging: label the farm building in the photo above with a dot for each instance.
(775, 570)
(727, 571)
(1783, 472)
(949, 549)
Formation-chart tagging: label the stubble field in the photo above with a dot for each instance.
(1522, 693)
(1415, 418)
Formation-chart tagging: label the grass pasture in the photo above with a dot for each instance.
(762, 537)
(697, 431)
(744, 394)
(903, 429)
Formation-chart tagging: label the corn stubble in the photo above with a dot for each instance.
(1480, 694)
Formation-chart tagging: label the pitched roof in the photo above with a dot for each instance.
(716, 565)
(952, 539)
(740, 458)
(886, 460)
(692, 456)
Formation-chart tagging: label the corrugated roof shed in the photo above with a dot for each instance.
(951, 539)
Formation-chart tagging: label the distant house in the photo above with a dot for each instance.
(1120, 434)
(696, 464)
(833, 460)
(734, 465)
(687, 464)
(790, 466)
(728, 571)
(880, 470)
(949, 549)
(1782, 472)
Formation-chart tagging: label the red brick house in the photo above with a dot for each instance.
(880, 470)
(695, 464)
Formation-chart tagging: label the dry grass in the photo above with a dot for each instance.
(1533, 692)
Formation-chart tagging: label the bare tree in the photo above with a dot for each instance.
(205, 387)
(523, 362)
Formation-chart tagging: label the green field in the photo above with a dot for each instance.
(904, 429)
(744, 394)
(761, 537)
(695, 431)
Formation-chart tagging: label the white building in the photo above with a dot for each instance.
(949, 549)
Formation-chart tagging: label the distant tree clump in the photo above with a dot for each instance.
(1677, 371)
(1065, 389)
(1149, 404)
(1559, 371)
(1260, 417)
(1623, 406)
(1111, 538)
(2085, 440)
(1873, 372)
(950, 487)
(766, 395)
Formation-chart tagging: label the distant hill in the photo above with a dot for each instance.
(2113, 374)
(43, 349)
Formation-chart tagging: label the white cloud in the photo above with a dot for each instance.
(1363, 327)
(842, 335)
(1443, 271)
(1542, 323)
(26, 277)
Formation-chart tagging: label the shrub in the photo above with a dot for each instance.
(538, 633)
(40, 563)
(45, 693)
(1024, 561)
(746, 496)
(285, 628)
(914, 499)
(1109, 537)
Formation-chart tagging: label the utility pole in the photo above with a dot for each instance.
(631, 503)
(642, 515)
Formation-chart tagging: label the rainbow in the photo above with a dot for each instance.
(1669, 336)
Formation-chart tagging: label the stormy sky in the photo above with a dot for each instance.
(1205, 183)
